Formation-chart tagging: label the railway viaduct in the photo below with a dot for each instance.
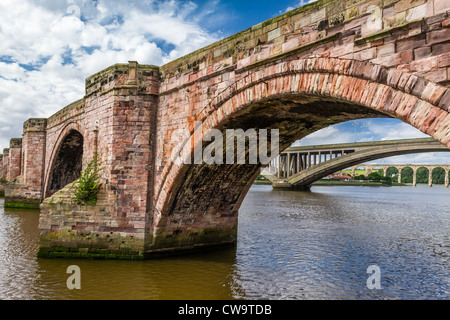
(414, 167)
(317, 65)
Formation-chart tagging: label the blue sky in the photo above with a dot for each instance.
(49, 47)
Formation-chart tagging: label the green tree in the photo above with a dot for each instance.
(407, 175)
(422, 175)
(438, 176)
(391, 171)
(375, 176)
(386, 180)
(88, 185)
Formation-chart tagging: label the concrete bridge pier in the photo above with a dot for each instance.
(288, 186)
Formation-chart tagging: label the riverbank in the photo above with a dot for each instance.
(355, 183)
(340, 183)
(262, 182)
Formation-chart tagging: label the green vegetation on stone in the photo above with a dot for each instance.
(15, 205)
(88, 185)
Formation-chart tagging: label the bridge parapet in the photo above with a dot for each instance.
(62, 116)
(124, 76)
(407, 35)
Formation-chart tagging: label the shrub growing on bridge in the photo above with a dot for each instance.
(88, 185)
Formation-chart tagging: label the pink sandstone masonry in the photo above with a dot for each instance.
(324, 63)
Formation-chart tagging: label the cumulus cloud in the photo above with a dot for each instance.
(299, 4)
(329, 135)
(48, 48)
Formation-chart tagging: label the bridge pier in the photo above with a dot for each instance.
(430, 177)
(446, 178)
(116, 119)
(288, 186)
(25, 189)
(414, 177)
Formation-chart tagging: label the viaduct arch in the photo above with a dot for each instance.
(317, 65)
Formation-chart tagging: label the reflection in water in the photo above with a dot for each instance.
(291, 245)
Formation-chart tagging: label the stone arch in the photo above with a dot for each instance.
(297, 97)
(438, 175)
(405, 172)
(392, 170)
(66, 160)
(423, 175)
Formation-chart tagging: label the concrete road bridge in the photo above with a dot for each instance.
(299, 167)
(324, 63)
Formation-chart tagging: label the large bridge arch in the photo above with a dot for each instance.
(297, 97)
(66, 160)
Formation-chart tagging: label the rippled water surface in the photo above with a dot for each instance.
(291, 245)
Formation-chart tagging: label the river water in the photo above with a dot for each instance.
(291, 246)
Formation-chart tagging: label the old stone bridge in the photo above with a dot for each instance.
(321, 64)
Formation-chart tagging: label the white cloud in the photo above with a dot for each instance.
(328, 135)
(299, 4)
(375, 130)
(394, 130)
(48, 48)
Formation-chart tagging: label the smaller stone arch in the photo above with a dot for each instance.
(67, 161)
(438, 175)
(391, 171)
(422, 175)
(405, 172)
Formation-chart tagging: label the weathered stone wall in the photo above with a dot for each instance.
(15, 159)
(118, 123)
(25, 190)
(2, 177)
(410, 35)
(5, 163)
(71, 230)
